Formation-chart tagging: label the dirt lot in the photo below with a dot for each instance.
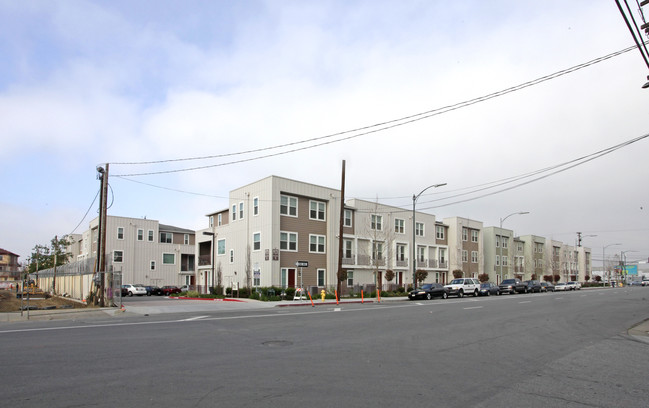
(10, 303)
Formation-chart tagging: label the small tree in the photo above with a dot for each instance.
(547, 278)
(534, 276)
(587, 278)
(557, 278)
(483, 277)
(598, 278)
(421, 275)
(389, 275)
(458, 273)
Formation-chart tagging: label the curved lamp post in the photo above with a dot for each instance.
(414, 246)
(501, 237)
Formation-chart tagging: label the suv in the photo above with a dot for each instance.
(533, 286)
(572, 285)
(513, 286)
(463, 286)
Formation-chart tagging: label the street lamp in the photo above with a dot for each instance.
(414, 246)
(213, 235)
(501, 237)
(623, 260)
(604, 261)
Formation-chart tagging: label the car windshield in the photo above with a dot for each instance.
(561, 284)
(509, 281)
(457, 281)
(485, 285)
(427, 286)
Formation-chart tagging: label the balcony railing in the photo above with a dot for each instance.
(349, 261)
(402, 262)
(204, 260)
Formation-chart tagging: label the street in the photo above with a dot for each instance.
(542, 350)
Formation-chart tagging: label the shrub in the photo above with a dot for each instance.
(483, 277)
(457, 273)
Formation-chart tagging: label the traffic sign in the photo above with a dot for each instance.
(302, 264)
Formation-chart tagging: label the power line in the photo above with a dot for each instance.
(366, 130)
(86, 214)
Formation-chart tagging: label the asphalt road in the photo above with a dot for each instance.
(542, 350)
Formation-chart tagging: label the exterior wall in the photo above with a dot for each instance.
(139, 251)
(458, 244)
(499, 250)
(8, 266)
(535, 256)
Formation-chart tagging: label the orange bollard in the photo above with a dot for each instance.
(378, 294)
(311, 299)
(336, 296)
(362, 298)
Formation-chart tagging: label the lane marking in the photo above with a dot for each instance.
(525, 301)
(194, 318)
(474, 307)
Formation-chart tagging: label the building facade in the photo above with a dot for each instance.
(142, 250)
(9, 267)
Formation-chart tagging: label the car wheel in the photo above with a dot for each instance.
(444, 295)
(475, 293)
(460, 293)
(499, 293)
(428, 296)
(130, 293)
(488, 293)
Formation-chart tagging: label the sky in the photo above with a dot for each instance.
(260, 88)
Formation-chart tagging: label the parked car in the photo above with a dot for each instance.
(428, 291)
(153, 290)
(636, 283)
(134, 290)
(575, 285)
(533, 286)
(572, 285)
(186, 288)
(463, 286)
(561, 286)
(513, 286)
(488, 289)
(124, 291)
(169, 289)
(547, 287)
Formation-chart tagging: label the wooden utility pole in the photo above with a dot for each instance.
(340, 233)
(101, 247)
(56, 245)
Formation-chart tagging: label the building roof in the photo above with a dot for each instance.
(5, 252)
(171, 228)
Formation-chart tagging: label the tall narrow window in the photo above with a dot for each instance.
(256, 241)
(419, 229)
(234, 212)
(376, 222)
(140, 235)
(348, 218)
(120, 232)
(399, 226)
(288, 206)
(255, 206)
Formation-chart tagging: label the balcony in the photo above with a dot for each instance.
(402, 263)
(433, 263)
(349, 260)
(204, 260)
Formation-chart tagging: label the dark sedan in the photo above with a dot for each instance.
(429, 291)
(153, 290)
(547, 287)
(488, 289)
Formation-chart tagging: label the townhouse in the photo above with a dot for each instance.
(142, 250)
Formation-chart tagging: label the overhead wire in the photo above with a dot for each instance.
(365, 130)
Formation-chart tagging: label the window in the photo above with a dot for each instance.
(497, 260)
(288, 241)
(321, 277)
(150, 236)
(519, 247)
(401, 252)
(498, 239)
(465, 234)
(317, 244)
(505, 261)
(211, 221)
(377, 222)
(442, 255)
(439, 232)
(220, 247)
(505, 240)
(255, 206)
(377, 251)
(288, 206)
(234, 212)
(118, 256)
(256, 241)
(347, 249)
(350, 278)
(120, 232)
(241, 210)
(348, 218)
(166, 237)
(465, 255)
(474, 256)
(186, 239)
(399, 226)
(419, 229)
(140, 235)
(474, 235)
(168, 259)
(152, 266)
(257, 277)
(317, 210)
(232, 256)
(421, 252)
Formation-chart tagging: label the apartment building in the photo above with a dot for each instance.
(500, 253)
(143, 250)
(466, 248)
(9, 268)
(274, 223)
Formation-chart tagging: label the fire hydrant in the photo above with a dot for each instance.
(322, 294)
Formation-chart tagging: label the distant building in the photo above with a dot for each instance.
(9, 267)
(143, 250)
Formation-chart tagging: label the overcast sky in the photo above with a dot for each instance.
(84, 83)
